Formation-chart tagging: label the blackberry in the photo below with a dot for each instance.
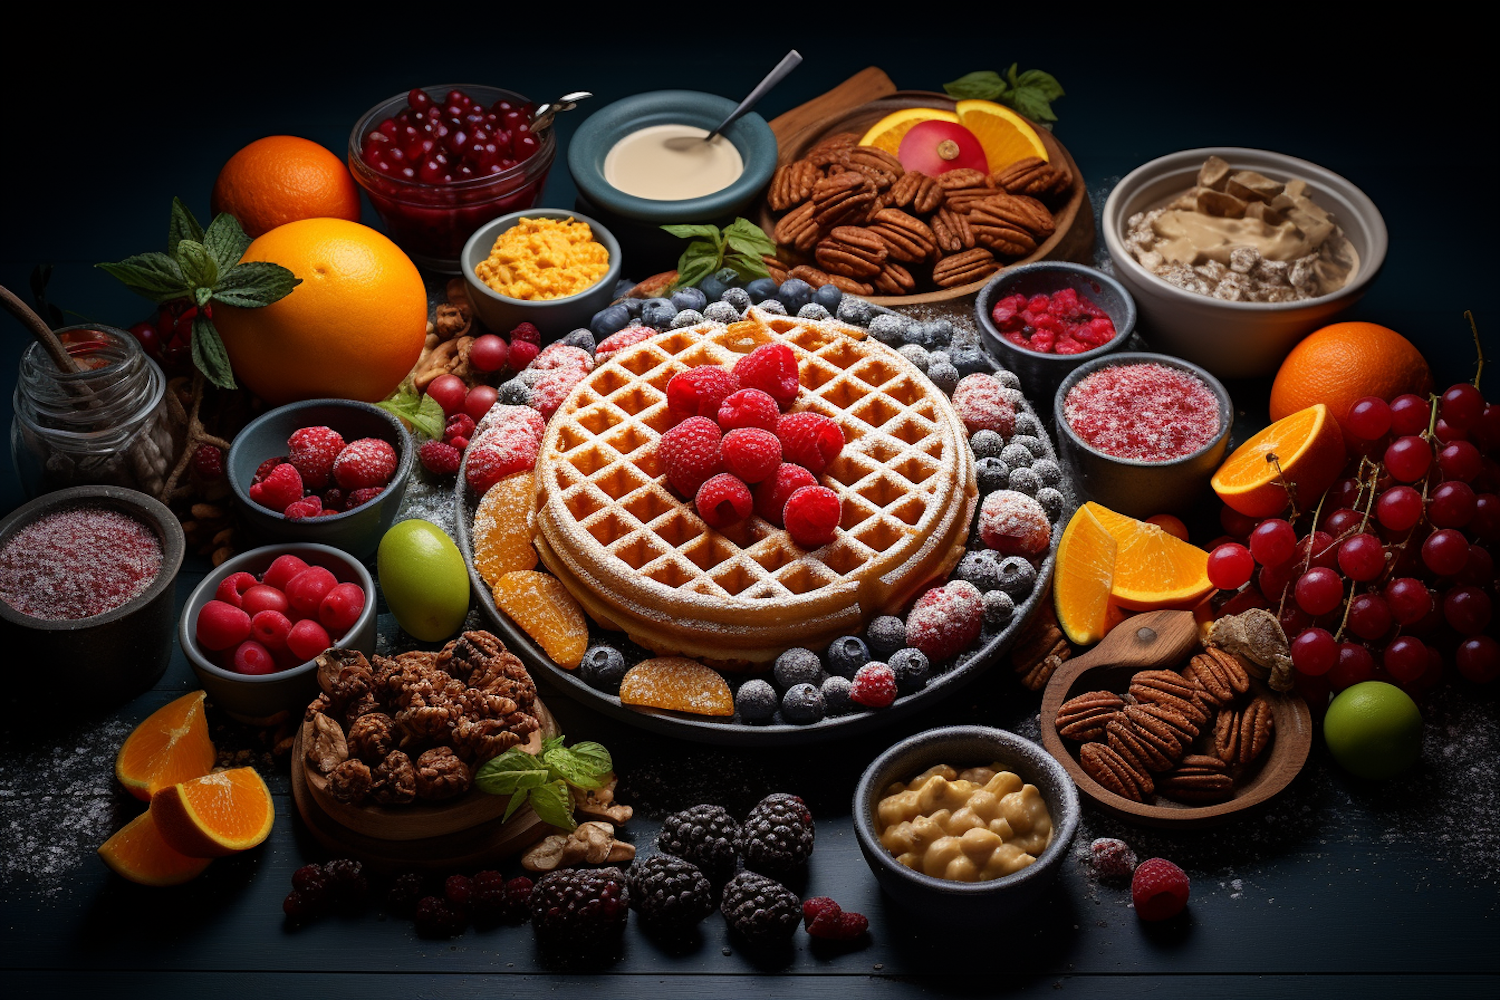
(944, 376)
(1031, 443)
(580, 905)
(1051, 501)
(813, 311)
(797, 666)
(1048, 471)
(737, 297)
(1017, 577)
(1026, 423)
(704, 834)
(981, 568)
(686, 317)
(760, 910)
(670, 894)
(889, 328)
(1017, 456)
(917, 355)
(756, 701)
(603, 667)
(986, 444)
(720, 312)
(777, 836)
(802, 705)
(911, 668)
(773, 306)
(581, 339)
(885, 635)
(860, 312)
(1010, 380)
(836, 693)
(999, 608)
(846, 655)
(993, 474)
(1025, 481)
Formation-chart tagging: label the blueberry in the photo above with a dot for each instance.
(889, 328)
(513, 392)
(610, 319)
(998, 609)
(1026, 423)
(721, 312)
(1025, 481)
(1017, 577)
(756, 701)
(1031, 443)
(944, 376)
(1052, 502)
(813, 311)
(981, 568)
(917, 355)
(688, 317)
(987, 444)
(911, 668)
(886, 634)
(858, 311)
(847, 654)
(836, 693)
(761, 289)
(729, 277)
(1016, 456)
(993, 475)
(689, 298)
(773, 306)
(603, 667)
(802, 705)
(658, 313)
(712, 288)
(634, 307)
(794, 293)
(829, 297)
(971, 360)
(581, 339)
(623, 287)
(737, 297)
(797, 666)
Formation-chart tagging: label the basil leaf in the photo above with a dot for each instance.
(510, 782)
(982, 85)
(580, 769)
(749, 266)
(209, 355)
(687, 232)
(255, 283)
(154, 275)
(553, 803)
(551, 743)
(517, 800)
(424, 413)
(746, 236)
(182, 226)
(226, 241)
(694, 271)
(1044, 85)
(514, 759)
(1033, 107)
(198, 265)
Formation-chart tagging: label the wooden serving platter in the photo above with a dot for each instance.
(1163, 640)
(867, 97)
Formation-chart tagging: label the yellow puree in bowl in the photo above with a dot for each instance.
(540, 259)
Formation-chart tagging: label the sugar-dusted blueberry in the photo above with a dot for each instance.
(941, 332)
(513, 392)
(1025, 481)
(761, 289)
(858, 311)
(581, 339)
(917, 355)
(1052, 502)
(610, 319)
(829, 297)
(773, 306)
(658, 313)
(836, 693)
(885, 635)
(987, 444)
(737, 297)
(712, 288)
(690, 298)
(1031, 443)
(797, 666)
(802, 705)
(1048, 471)
(814, 312)
(889, 328)
(911, 668)
(993, 473)
(1017, 577)
(756, 701)
(1017, 456)
(847, 654)
(603, 667)
(687, 317)
(720, 312)
(980, 567)
(944, 376)
(999, 609)
(923, 335)
(1009, 380)
(1027, 423)
(971, 360)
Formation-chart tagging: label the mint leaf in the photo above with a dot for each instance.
(584, 766)
(423, 413)
(255, 283)
(982, 85)
(182, 226)
(197, 264)
(553, 803)
(687, 232)
(154, 275)
(209, 355)
(226, 241)
(746, 237)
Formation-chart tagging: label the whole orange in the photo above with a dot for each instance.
(352, 329)
(281, 179)
(1343, 362)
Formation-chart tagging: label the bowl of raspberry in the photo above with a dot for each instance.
(253, 628)
(1043, 320)
(330, 471)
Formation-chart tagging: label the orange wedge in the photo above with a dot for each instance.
(217, 814)
(1085, 574)
(1152, 570)
(171, 745)
(138, 852)
(1005, 135)
(504, 522)
(1310, 449)
(887, 133)
(542, 606)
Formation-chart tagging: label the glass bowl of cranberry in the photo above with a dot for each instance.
(439, 162)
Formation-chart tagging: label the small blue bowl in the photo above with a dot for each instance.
(357, 531)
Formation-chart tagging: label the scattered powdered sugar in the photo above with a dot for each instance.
(1144, 412)
(78, 562)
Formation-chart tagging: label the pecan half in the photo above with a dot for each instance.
(1219, 674)
(964, 267)
(841, 198)
(1039, 651)
(810, 274)
(907, 238)
(881, 167)
(916, 191)
(1199, 778)
(1084, 716)
(831, 149)
(1167, 687)
(1140, 747)
(1115, 773)
(951, 230)
(851, 251)
(798, 228)
(894, 279)
(1240, 737)
(791, 185)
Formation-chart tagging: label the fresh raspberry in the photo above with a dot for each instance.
(1159, 889)
(550, 390)
(308, 506)
(208, 462)
(313, 451)
(698, 392)
(438, 458)
(810, 440)
(365, 463)
(458, 425)
(874, 687)
(771, 368)
(518, 898)
(751, 453)
(982, 406)
(945, 620)
(508, 441)
(748, 408)
(832, 924)
(814, 905)
(772, 493)
(1014, 524)
(690, 453)
(617, 342)
(278, 490)
(723, 500)
(333, 498)
(811, 516)
(266, 468)
(558, 356)
(526, 333)
(522, 353)
(360, 497)
(459, 443)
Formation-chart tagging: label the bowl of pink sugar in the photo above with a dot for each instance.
(1142, 433)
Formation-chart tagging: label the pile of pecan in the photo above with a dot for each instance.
(1188, 736)
(415, 727)
(855, 218)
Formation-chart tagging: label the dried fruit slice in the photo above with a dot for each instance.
(542, 606)
(1085, 575)
(1308, 446)
(217, 814)
(678, 684)
(137, 852)
(1153, 570)
(887, 133)
(504, 523)
(171, 745)
(1005, 135)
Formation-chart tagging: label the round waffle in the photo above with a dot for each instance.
(640, 559)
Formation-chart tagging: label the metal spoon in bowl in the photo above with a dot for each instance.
(789, 62)
(543, 115)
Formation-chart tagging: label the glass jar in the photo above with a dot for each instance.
(106, 425)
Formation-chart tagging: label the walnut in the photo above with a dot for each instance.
(350, 782)
(591, 843)
(600, 802)
(451, 357)
(326, 748)
(479, 704)
(320, 705)
(468, 653)
(372, 737)
(479, 740)
(428, 723)
(362, 706)
(344, 674)
(395, 780)
(481, 661)
(458, 296)
(449, 321)
(441, 775)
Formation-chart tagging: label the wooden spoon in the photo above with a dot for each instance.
(1146, 640)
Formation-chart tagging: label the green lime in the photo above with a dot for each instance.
(424, 580)
(1374, 730)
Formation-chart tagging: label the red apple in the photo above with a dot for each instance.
(936, 147)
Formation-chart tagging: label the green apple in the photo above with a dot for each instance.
(424, 580)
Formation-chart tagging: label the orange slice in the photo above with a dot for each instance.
(217, 814)
(138, 852)
(171, 745)
(1085, 574)
(504, 524)
(1005, 135)
(679, 684)
(1310, 449)
(542, 606)
(1152, 570)
(887, 133)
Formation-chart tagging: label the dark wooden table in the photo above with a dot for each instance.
(1335, 887)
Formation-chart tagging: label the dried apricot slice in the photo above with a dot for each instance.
(542, 606)
(679, 684)
(504, 524)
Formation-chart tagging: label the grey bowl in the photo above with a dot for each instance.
(356, 531)
(267, 699)
(108, 658)
(1042, 373)
(1237, 339)
(942, 900)
(1131, 487)
(553, 317)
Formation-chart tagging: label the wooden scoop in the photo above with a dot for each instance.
(1153, 639)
